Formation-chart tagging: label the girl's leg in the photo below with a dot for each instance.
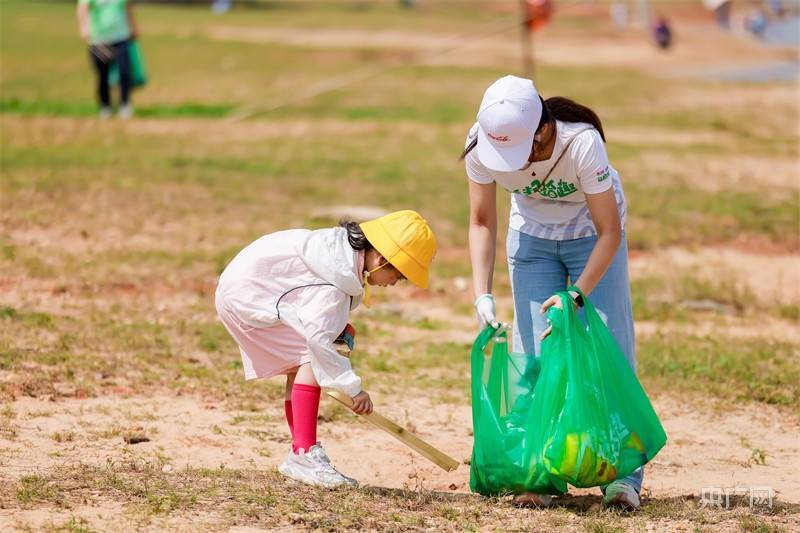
(536, 273)
(305, 407)
(612, 299)
(287, 401)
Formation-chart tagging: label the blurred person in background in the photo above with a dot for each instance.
(567, 223)
(662, 34)
(107, 26)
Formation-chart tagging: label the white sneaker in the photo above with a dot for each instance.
(105, 113)
(314, 468)
(125, 111)
(622, 495)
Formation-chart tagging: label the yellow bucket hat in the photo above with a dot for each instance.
(405, 240)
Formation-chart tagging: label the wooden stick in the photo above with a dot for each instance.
(439, 458)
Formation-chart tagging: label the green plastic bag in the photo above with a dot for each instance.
(504, 459)
(597, 422)
(138, 68)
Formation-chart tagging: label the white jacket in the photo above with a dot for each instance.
(308, 280)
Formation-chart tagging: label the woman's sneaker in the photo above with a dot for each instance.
(621, 495)
(314, 468)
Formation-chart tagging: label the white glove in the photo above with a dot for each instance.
(487, 313)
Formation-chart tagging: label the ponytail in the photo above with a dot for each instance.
(355, 235)
(567, 110)
(472, 144)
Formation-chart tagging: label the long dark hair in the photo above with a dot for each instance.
(558, 108)
(567, 110)
(355, 235)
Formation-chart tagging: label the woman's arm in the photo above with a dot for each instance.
(603, 208)
(482, 235)
(82, 11)
(131, 21)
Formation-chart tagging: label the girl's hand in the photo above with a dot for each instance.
(362, 404)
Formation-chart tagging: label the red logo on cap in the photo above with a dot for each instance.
(501, 138)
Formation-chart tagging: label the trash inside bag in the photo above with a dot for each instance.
(597, 423)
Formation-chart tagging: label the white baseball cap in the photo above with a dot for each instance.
(508, 117)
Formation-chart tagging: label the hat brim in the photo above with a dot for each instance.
(507, 159)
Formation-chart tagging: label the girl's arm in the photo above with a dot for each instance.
(131, 21)
(82, 12)
(323, 313)
(482, 235)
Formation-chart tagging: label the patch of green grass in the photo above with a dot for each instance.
(430, 324)
(757, 524)
(73, 525)
(211, 337)
(762, 370)
(790, 311)
(676, 213)
(259, 498)
(89, 109)
(380, 362)
(34, 319)
(36, 488)
(598, 525)
(8, 428)
(670, 297)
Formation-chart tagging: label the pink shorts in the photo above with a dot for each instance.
(268, 351)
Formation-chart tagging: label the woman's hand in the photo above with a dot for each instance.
(486, 311)
(362, 404)
(553, 301)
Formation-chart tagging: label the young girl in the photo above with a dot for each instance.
(286, 298)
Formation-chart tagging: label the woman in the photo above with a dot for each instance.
(567, 222)
(107, 26)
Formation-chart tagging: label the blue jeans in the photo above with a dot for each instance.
(540, 267)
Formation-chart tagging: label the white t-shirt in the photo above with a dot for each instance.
(558, 210)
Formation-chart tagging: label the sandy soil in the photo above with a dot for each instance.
(706, 448)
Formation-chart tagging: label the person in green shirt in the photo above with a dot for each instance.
(107, 26)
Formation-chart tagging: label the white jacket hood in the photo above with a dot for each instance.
(328, 254)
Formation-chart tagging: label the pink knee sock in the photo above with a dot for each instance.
(305, 406)
(287, 410)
